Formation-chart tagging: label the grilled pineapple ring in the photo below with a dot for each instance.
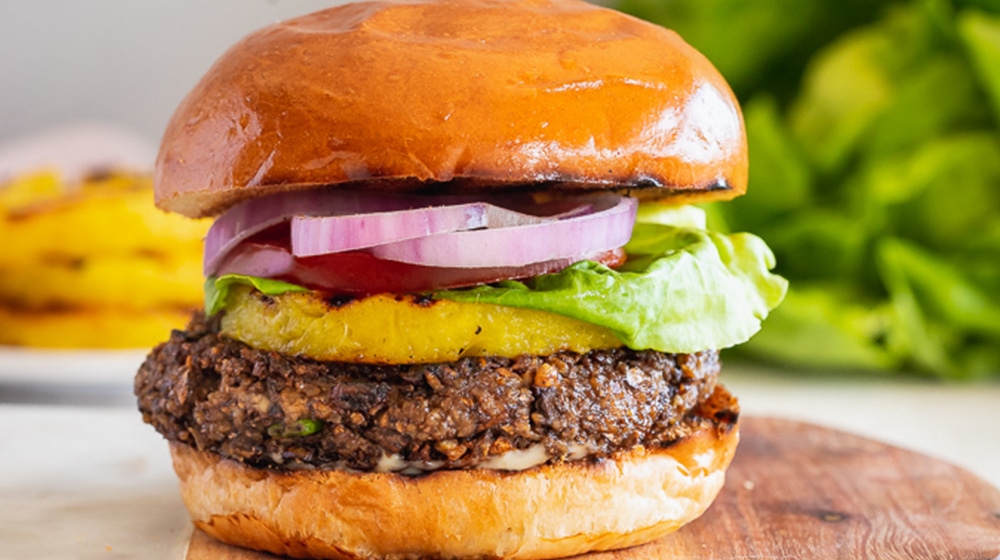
(401, 329)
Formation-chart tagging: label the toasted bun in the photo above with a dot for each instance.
(550, 511)
(482, 93)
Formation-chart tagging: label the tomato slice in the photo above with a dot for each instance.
(361, 273)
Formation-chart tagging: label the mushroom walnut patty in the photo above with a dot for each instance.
(270, 410)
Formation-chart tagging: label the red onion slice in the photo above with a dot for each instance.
(241, 222)
(604, 230)
(253, 216)
(420, 229)
(322, 235)
(263, 259)
(249, 218)
(357, 272)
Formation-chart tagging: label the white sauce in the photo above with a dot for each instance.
(514, 460)
(517, 459)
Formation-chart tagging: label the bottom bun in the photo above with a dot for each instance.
(549, 511)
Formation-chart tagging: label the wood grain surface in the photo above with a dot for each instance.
(800, 491)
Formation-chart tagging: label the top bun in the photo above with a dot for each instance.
(476, 93)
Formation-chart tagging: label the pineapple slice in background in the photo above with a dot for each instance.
(88, 261)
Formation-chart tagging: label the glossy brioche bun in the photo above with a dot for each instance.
(485, 93)
(549, 511)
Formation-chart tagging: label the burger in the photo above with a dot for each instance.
(457, 302)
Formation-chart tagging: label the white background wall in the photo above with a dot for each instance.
(127, 62)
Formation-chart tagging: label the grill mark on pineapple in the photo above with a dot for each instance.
(339, 301)
(422, 300)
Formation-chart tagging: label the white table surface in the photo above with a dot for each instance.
(82, 477)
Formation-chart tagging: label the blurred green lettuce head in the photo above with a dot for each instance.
(874, 133)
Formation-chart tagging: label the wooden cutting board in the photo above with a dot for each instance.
(797, 490)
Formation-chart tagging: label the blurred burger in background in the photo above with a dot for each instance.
(88, 261)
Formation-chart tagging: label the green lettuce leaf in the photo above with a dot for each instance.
(751, 41)
(217, 289)
(831, 115)
(779, 164)
(670, 215)
(820, 328)
(939, 318)
(682, 290)
(981, 33)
